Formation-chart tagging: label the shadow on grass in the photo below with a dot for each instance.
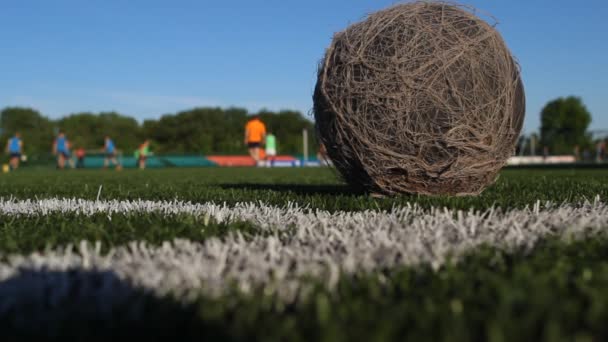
(84, 305)
(299, 189)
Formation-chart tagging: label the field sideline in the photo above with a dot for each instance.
(275, 254)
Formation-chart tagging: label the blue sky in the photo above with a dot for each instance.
(148, 58)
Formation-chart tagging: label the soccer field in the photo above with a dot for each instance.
(293, 254)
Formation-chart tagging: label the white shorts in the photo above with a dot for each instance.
(271, 152)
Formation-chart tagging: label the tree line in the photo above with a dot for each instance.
(564, 130)
(195, 131)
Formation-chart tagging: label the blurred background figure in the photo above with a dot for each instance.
(271, 149)
(61, 148)
(600, 149)
(80, 154)
(14, 148)
(109, 150)
(142, 154)
(586, 155)
(322, 155)
(255, 133)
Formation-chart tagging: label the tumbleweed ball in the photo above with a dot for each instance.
(423, 98)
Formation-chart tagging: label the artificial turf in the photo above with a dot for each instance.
(315, 188)
(553, 292)
(40, 232)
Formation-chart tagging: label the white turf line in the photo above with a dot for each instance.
(296, 242)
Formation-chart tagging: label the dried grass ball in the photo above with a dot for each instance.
(422, 98)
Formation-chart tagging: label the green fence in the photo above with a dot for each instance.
(93, 162)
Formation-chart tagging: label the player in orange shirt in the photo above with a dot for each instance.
(255, 133)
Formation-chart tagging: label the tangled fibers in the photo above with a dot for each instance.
(423, 97)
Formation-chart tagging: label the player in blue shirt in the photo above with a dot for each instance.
(61, 148)
(14, 148)
(110, 152)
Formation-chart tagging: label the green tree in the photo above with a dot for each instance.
(287, 126)
(220, 131)
(564, 123)
(36, 130)
(195, 131)
(88, 130)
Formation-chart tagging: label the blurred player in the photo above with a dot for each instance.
(14, 147)
(109, 150)
(322, 155)
(600, 149)
(142, 154)
(61, 148)
(255, 133)
(271, 148)
(80, 154)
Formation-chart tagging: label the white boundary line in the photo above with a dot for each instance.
(296, 243)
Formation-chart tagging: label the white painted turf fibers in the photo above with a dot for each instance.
(293, 243)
